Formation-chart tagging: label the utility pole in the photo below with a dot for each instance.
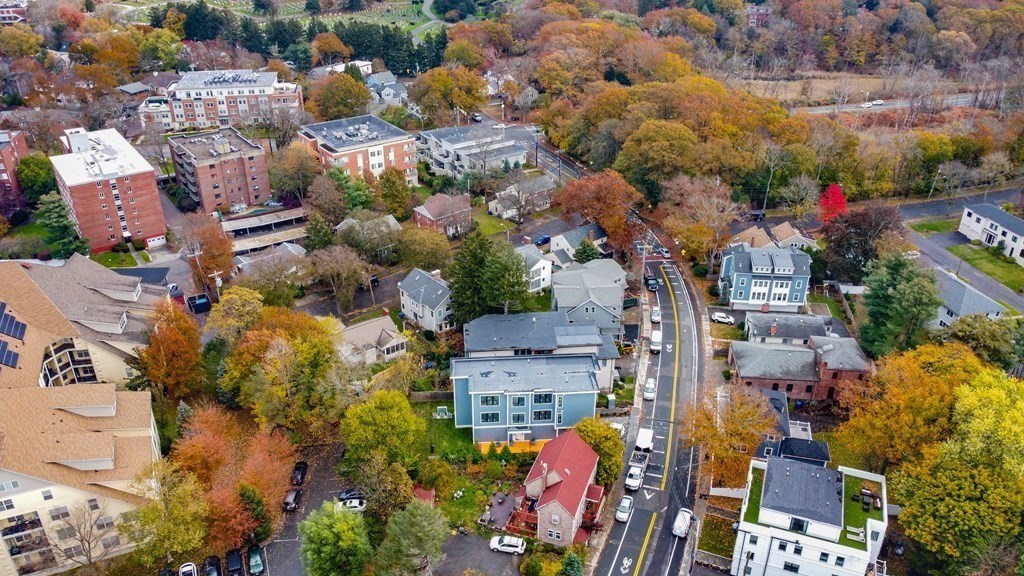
(216, 282)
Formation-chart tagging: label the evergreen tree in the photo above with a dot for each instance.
(319, 234)
(266, 7)
(53, 215)
(586, 252)
(413, 542)
(312, 6)
(89, 6)
(253, 502)
(505, 278)
(466, 278)
(901, 300)
(572, 565)
(314, 27)
(353, 71)
(251, 35)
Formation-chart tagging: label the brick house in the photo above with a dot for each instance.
(450, 215)
(559, 494)
(12, 147)
(811, 372)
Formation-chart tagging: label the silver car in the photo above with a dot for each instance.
(655, 315)
(681, 525)
(625, 509)
(722, 318)
(650, 389)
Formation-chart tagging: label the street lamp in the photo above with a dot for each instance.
(508, 238)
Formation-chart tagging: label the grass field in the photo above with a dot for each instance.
(834, 307)
(114, 260)
(929, 227)
(726, 332)
(30, 230)
(1009, 274)
(490, 225)
(716, 536)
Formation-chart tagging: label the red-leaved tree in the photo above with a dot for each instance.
(604, 197)
(832, 203)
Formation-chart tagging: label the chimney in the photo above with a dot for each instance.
(543, 476)
(436, 274)
(774, 328)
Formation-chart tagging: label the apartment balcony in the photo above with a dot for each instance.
(56, 350)
(877, 569)
(81, 361)
(22, 527)
(18, 548)
(45, 562)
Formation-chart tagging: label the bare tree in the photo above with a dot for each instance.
(701, 224)
(954, 176)
(340, 268)
(86, 534)
(521, 193)
(281, 123)
(995, 167)
(775, 158)
(801, 196)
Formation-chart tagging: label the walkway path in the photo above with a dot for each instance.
(420, 31)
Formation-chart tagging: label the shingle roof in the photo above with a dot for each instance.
(841, 353)
(785, 231)
(531, 254)
(574, 237)
(370, 333)
(1001, 217)
(599, 281)
(745, 258)
(803, 490)
(805, 449)
(380, 78)
(425, 289)
(780, 361)
(797, 326)
(961, 298)
(573, 461)
(536, 331)
(440, 205)
(563, 373)
(755, 236)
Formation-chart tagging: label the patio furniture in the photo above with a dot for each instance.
(442, 413)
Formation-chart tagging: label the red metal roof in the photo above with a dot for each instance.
(595, 492)
(574, 462)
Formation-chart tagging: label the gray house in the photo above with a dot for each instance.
(523, 398)
(765, 279)
(540, 334)
(786, 328)
(591, 292)
(563, 246)
(959, 299)
(425, 300)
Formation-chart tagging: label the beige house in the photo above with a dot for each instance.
(372, 341)
(754, 236)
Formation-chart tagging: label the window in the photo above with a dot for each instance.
(840, 560)
(798, 525)
(753, 540)
(559, 403)
(518, 401)
(743, 281)
(6, 505)
(790, 567)
(542, 415)
(809, 389)
(488, 400)
(94, 504)
(554, 534)
(559, 418)
(554, 519)
(131, 200)
(47, 495)
(799, 284)
(518, 418)
(748, 570)
(874, 535)
(542, 398)
(798, 550)
(59, 512)
(65, 533)
(823, 557)
(784, 546)
(489, 417)
(104, 522)
(969, 214)
(835, 375)
(74, 552)
(5, 486)
(789, 387)
(111, 542)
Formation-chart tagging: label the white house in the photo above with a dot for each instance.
(960, 299)
(991, 226)
(538, 268)
(425, 300)
(801, 518)
(530, 195)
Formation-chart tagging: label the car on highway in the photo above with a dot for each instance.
(187, 569)
(877, 102)
(256, 565)
(625, 509)
(508, 544)
(650, 389)
(681, 525)
(299, 473)
(351, 504)
(656, 315)
(722, 318)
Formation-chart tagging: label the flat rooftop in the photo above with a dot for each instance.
(351, 133)
(226, 79)
(108, 156)
(218, 144)
(562, 373)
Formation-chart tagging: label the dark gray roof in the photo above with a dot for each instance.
(425, 289)
(780, 408)
(354, 132)
(574, 237)
(134, 88)
(561, 373)
(804, 490)
(781, 361)
(156, 276)
(961, 298)
(562, 257)
(745, 258)
(535, 331)
(999, 216)
(804, 449)
(381, 78)
(841, 353)
(797, 326)
(531, 254)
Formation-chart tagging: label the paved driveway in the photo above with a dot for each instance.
(322, 484)
(465, 551)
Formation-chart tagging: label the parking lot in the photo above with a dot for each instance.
(322, 484)
(465, 551)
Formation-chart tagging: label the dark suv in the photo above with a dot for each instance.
(234, 563)
(211, 566)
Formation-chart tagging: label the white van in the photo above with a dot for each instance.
(655, 341)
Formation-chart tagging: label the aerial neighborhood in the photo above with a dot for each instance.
(560, 288)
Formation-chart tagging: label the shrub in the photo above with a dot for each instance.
(975, 242)
(44, 254)
(714, 291)
(121, 248)
(139, 244)
(727, 374)
(532, 566)
(700, 270)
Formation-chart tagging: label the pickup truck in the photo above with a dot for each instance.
(639, 459)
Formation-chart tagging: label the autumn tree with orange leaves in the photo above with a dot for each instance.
(728, 425)
(604, 198)
(173, 362)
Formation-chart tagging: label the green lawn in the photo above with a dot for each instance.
(146, 257)
(539, 302)
(1010, 274)
(834, 307)
(726, 332)
(841, 455)
(451, 443)
(31, 230)
(853, 514)
(490, 225)
(115, 260)
(716, 536)
(754, 498)
(929, 227)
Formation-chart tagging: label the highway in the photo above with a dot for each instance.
(965, 99)
(645, 545)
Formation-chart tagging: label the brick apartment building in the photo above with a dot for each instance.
(13, 11)
(110, 189)
(221, 170)
(12, 147)
(214, 98)
(362, 143)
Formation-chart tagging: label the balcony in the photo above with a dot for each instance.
(46, 562)
(19, 548)
(878, 569)
(21, 527)
(56, 350)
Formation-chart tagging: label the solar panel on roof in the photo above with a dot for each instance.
(8, 357)
(9, 326)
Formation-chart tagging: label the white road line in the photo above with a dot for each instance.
(660, 437)
(671, 553)
(654, 475)
(615, 558)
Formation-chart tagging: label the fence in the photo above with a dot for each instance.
(436, 396)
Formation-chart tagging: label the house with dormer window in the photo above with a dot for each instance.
(765, 279)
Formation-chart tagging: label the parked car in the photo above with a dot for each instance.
(234, 562)
(648, 278)
(509, 544)
(656, 315)
(299, 473)
(650, 389)
(187, 569)
(256, 565)
(351, 504)
(349, 493)
(292, 499)
(681, 525)
(878, 102)
(722, 318)
(652, 285)
(754, 216)
(625, 509)
(476, 117)
(211, 566)
(545, 239)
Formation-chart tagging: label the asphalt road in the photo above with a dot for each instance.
(965, 99)
(645, 544)
(556, 163)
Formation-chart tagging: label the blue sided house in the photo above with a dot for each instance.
(765, 279)
(523, 398)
